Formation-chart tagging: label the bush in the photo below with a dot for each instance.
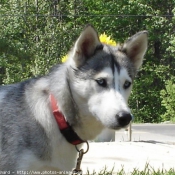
(168, 100)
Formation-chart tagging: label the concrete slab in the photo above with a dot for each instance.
(129, 155)
(139, 135)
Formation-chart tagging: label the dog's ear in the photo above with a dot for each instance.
(135, 48)
(85, 45)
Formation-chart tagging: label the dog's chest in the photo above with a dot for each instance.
(63, 154)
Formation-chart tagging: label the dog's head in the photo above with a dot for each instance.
(102, 76)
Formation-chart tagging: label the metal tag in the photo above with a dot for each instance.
(77, 170)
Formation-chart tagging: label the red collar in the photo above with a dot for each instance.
(67, 131)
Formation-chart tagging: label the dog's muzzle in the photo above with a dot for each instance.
(124, 118)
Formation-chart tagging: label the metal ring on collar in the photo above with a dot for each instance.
(84, 152)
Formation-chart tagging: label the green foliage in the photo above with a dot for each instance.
(145, 99)
(35, 34)
(168, 100)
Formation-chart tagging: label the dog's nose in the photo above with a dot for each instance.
(124, 118)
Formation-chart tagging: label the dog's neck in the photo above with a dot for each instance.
(62, 92)
(83, 124)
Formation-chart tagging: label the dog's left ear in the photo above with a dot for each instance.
(85, 45)
(135, 48)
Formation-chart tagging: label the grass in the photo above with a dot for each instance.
(148, 170)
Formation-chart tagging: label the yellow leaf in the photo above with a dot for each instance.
(107, 40)
(64, 58)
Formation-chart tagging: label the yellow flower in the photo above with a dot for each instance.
(64, 58)
(107, 40)
(103, 39)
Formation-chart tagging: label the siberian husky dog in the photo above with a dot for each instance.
(90, 89)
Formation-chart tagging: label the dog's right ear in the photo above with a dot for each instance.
(85, 45)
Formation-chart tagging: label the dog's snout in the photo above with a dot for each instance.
(124, 118)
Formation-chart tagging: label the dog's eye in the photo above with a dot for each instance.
(101, 82)
(127, 84)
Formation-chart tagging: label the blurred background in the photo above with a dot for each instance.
(36, 34)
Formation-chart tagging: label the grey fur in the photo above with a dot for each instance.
(17, 126)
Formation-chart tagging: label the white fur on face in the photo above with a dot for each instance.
(120, 82)
(109, 101)
(107, 74)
